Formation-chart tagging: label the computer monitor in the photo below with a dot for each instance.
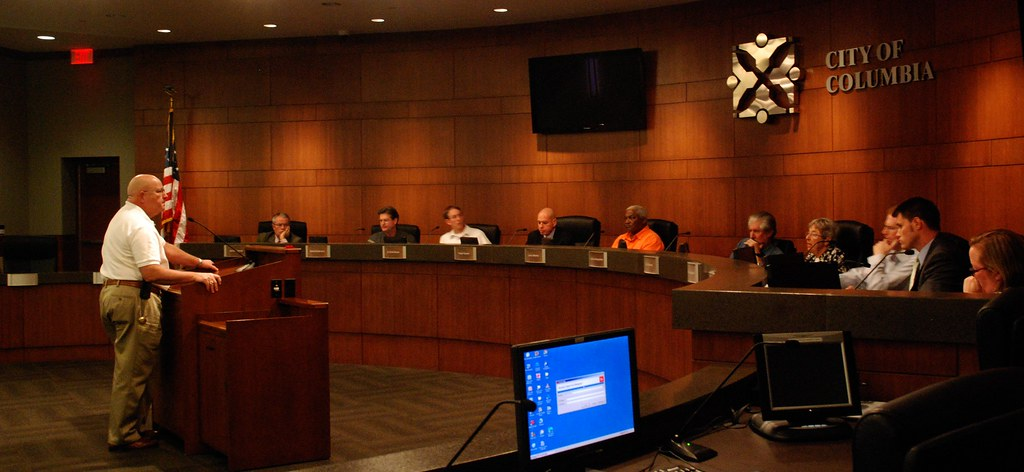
(586, 395)
(468, 240)
(790, 270)
(807, 383)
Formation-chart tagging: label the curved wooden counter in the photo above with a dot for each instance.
(432, 311)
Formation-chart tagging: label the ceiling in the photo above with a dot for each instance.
(115, 24)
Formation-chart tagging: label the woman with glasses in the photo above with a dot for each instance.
(997, 266)
(820, 247)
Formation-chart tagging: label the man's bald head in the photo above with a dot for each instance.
(546, 221)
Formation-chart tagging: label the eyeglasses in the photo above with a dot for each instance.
(973, 271)
(281, 225)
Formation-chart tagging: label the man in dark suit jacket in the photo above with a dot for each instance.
(942, 257)
(547, 232)
(281, 231)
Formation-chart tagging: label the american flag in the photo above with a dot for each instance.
(173, 221)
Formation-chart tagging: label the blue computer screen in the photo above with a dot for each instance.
(583, 392)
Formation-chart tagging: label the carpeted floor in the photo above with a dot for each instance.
(53, 417)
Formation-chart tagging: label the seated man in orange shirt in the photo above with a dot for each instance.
(638, 235)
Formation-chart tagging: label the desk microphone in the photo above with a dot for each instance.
(697, 453)
(360, 229)
(528, 404)
(909, 252)
(676, 237)
(587, 242)
(248, 262)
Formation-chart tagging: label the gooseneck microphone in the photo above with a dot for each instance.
(909, 252)
(693, 452)
(528, 404)
(218, 239)
(676, 237)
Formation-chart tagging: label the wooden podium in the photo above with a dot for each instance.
(245, 370)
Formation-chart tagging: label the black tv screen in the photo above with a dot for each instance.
(598, 91)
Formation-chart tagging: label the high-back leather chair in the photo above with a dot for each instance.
(1000, 330)
(298, 228)
(855, 239)
(963, 422)
(667, 230)
(493, 232)
(585, 230)
(413, 230)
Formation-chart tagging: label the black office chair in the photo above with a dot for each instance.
(855, 239)
(668, 231)
(1000, 330)
(493, 232)
(585, 230)
(413, 230)
(298, 228)
(972, 421)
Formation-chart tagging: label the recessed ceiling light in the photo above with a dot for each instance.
(165, 31)
(501, 10)
(270, 25)
(378, 20)
(46, 37)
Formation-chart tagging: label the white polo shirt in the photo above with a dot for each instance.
(131, 242)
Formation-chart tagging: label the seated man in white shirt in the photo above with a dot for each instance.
(891, 266)
(453, 218)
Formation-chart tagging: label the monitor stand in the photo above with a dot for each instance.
(828, 429)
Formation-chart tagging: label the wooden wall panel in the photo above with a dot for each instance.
(422, 142)
(414, 75)
(956, 20)
(592, 147)
(419, 205)
(668, 199)
(496, 140)
(342, 292)
(688, 52)
(990, 88)
(326, 210)
(906, 119)
(227, 211)
(316, 145)
(315, 79)
(811, 130)
(237, 82)
(511, 206)
(492, 71)
(242, 146)
(149, 93)
(345, 348)
(794, 201)
(885, 189)
(601, 308)
(968, 207)
(855, 24)
(657, 343)
(689, 130)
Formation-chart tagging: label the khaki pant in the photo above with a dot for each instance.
(133, 326)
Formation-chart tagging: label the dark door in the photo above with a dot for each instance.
(99, 197)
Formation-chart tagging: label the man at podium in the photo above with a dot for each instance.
(136, 261)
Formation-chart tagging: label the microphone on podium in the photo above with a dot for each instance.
(909, 252)
(528, 404)
(217, 239)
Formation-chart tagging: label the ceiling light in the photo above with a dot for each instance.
(46, 37)
(165, 31)
(501, 10)
(270, 25)
(378, 20)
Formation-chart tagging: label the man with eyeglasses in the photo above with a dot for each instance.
(281, 231)
(889, 266)
(941, 262)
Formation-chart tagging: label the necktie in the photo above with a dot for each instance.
(913, 273)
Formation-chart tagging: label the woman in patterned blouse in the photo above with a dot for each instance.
(820, 247)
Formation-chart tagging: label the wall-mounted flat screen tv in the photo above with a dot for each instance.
(597, 91)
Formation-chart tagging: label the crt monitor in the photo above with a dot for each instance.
(807, 383)
(586, 395)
